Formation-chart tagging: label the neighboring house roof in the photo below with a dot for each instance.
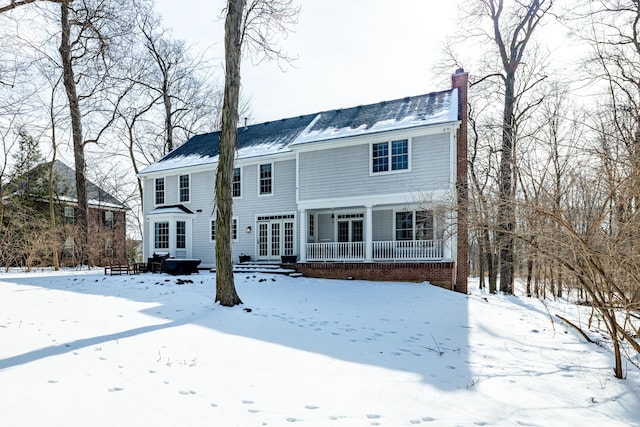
(279, 136)
(65, 186)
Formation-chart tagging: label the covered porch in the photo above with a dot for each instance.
(394, 250)
(386, 233)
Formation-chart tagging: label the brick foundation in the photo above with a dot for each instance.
(438, 273)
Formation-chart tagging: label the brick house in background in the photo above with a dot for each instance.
(107, 215)
(375, 191)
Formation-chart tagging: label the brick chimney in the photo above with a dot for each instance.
(460, 81)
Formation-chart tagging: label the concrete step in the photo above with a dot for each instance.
(255, 267)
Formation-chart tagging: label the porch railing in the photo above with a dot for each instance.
(401, 250)
(408, 250)
(335, 251)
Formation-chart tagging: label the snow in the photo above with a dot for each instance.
(82, 348)
(448, 113)
(179, 162)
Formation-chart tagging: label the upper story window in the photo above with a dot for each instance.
(266, 181)
(236, 183)
(159, 184)
(108, 219)
(390, 156)
(184, 188)
(69, 215)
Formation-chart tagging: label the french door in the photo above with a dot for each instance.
(350, 238)
(275, 237)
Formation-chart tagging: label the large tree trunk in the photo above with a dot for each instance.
(225, 288)
(76, 128)
(506, 212)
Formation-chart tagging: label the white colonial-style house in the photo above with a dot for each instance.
(356, 192)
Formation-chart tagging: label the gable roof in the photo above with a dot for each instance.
(65, 185)
(282, 135)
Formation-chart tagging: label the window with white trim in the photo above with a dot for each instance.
(418, 225)
(181, 234)
(159, 191)
(184, 188)
(234, 229)
(266, 182)
(161, 233)
(69, 215)
(108, 219)
(390, 156)
(236, 183)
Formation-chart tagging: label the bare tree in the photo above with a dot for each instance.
(226, 293)
(257, 25)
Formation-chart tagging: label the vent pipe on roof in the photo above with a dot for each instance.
(245, 123)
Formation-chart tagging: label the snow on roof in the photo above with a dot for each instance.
(175, 209)
(283, 135)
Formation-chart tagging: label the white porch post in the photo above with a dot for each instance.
(368, 234)
(303, 235)
(449, 242)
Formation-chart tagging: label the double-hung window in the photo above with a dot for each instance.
(404, 225)
(181, 234)
(159, 184)
(108, 220)
(69, 215)
(418, 225)
(161, 235)
(390, 156)
(234, 229)
(236, 183)
(184, 188)
(266, 179)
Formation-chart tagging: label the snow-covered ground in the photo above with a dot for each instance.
(84, 349)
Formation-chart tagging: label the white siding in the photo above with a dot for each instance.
(344, 171)
(245, 208)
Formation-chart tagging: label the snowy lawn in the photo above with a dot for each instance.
(84, 349)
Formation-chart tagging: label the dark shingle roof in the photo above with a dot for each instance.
(65, 185)
(279, 136)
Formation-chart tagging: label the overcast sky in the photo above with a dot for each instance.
(350, 52)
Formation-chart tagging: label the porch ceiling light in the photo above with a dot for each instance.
(248, 229)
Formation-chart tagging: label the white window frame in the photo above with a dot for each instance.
(155, 235)
(105, 222)
(178, 234)
(390, 157)
(69, 215)
(413, 224)
(273, 181)
(234, 223)
(180, 188)
(155, 191)
(241, 189)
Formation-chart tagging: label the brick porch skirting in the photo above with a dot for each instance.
(437, 273)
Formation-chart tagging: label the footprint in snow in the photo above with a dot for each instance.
(186, 392)
(292, 420)
(112, 389)
(311, 407)
(248, 402)
(373, 416)
(52, 381)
